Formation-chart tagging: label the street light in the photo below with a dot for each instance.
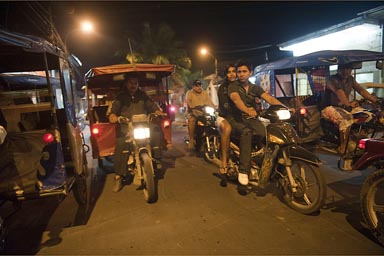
(204, 51)
(85, 26)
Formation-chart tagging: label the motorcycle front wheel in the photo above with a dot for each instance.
(149, 178)
(213, 154)
(310, 193)
(372, 203)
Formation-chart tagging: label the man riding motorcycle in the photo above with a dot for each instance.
(336, 105)
(195, 97)
(131, 101)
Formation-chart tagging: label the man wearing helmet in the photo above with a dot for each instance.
(195, 97)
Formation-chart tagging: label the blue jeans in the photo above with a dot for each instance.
(247, 128)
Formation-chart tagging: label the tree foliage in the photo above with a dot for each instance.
(159, 46)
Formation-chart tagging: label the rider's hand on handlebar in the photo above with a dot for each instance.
(354, 103)
(251, 112)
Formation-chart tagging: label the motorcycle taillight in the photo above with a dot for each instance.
(48, 138)
(95, 131)
(362, 143)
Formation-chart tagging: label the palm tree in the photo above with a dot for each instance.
(159, 46)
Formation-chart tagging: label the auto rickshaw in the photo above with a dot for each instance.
(104, 83)
(299, 82)
(43, 151)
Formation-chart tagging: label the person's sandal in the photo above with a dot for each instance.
(223, 175)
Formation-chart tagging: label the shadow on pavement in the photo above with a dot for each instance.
(347, 201)
(39, 223)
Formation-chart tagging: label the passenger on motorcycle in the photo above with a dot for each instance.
(195, 97)
(336, 101)
(224, 111)
(131, 101)
(243, 95)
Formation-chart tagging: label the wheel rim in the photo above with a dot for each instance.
(308, 188)
(376, 204)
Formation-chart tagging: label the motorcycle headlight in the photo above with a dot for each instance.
(283, 114)
(141, 133)
(209, 110)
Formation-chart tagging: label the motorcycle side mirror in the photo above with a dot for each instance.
(379, 64)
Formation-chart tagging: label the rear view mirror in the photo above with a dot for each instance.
(357, 65)
(379, 64)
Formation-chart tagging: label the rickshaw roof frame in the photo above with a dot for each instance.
(321, 58)
(31, 49)
(102, 79)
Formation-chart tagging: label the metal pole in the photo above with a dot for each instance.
(216, 71)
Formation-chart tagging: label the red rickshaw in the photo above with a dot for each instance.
(104, 83)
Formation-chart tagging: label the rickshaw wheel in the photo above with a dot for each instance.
(3, 237)
(80, 187)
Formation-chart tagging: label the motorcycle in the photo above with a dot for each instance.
(364, 114)
(206, 134)
(294, 169)
(369, 153)
(140, 164)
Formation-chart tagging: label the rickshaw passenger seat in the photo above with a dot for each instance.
(100, 113)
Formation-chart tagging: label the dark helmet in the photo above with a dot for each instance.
(197, 82)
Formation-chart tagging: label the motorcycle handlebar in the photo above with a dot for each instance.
(125, 120)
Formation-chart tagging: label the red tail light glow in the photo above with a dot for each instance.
(48, 138)
(95, 131)
(166, 124)
(362, 143)
(172, 109)
(303, 111)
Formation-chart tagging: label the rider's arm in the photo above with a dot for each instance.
(363, 92)
(235, 97)
(114, 110)
(270, 99)
(340, 94)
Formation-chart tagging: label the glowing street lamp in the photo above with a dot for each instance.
(204, 51)
(86, 27)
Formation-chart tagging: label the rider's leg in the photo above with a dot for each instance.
(245, 155)
(119, 163)
(191, 131)
(225, 130)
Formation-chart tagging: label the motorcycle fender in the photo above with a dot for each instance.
(366, 160)
(301, 153)
(143, 149)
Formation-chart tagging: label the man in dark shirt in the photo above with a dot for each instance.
(336, 99)
(131, 101)
(243, 95)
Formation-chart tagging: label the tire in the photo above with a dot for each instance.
(3, 237)
(80, 190)
(214, 154)
(372, 203)
(311, 190)
(149, 178)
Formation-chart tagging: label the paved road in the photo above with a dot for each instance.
(193, 215)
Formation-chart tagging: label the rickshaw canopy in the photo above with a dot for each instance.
(103, 79)
(322, 58)
(25, 53)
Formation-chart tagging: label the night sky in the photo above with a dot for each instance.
(233, 30)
